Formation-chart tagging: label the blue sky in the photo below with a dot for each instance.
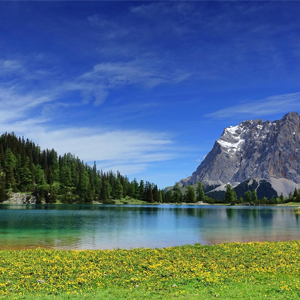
(145, 87)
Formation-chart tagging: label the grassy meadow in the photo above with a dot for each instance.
(268, 270)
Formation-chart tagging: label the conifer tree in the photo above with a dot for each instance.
(118, 190)
(254, 196)
(142, 190)
(230, 195)
(2, 185)
(177, 195)
(155, 194)
(247, 196)
(200, 192)
(10, 163)
(190, 195)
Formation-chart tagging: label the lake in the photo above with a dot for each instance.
(131, 226)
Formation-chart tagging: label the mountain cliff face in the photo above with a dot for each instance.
(264, 151)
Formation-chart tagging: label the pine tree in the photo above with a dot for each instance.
(118, 190)
(247, 196)
(155, 194)
(230, 195)
(161, 196)
(2, 185)
(254, 196)
(177, 195)
(200, 192)
(142, 190)
(10, 163)
(190, 195)
(135, 189)
(26, 183)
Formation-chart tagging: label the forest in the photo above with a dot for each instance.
(52, 178)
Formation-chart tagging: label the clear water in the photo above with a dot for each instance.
(128, 226)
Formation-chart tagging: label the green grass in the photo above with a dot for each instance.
(256, 291)
(290, 204)
(129, 200)
(268, 270)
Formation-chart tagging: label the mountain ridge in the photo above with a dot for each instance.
(254, 149)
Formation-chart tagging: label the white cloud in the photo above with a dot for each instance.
(130, 152)
(108, 28)
(269, 106)
(141, 72)
(164, 10)
(9, 66)
(144, 72)
(89, 145)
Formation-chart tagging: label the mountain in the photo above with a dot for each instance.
(253, 154)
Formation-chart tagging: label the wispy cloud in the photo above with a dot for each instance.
(143, 72)
(213, 43)
(268, 106)
(112, 150)
(108, 28)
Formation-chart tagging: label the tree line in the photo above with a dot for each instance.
(24, 167)
(251, 197)
(193, 195)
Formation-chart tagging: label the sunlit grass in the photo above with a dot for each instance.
(233, 271)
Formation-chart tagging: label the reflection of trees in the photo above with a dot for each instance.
(195, 212)
(255, 213)
(230, 212)
(297, 218)
(266, 216)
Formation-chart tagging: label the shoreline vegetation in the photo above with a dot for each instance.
(133, 201)
(265, 270)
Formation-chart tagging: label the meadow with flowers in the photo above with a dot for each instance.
(266, 270)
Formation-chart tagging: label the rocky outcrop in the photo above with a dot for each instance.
(18, 198)
(268, 151)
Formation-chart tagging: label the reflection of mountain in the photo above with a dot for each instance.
(253, 155)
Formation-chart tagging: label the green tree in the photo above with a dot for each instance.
(155, 194)
(254, 196)
(230, 195)
(10, 163)
(105, 190)
(200, 192)
(26, 177)
(149, 192)
(65, 175)
(190, 195)
(118, 190)
(2, 185)
(177, 195)
(247, 196)
(135, 189)
(161, 195)
(83, 185)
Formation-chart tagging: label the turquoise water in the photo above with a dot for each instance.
(131, 226)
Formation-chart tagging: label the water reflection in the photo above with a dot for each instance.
(127, 226)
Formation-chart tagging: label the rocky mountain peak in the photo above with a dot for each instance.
(254, 149)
